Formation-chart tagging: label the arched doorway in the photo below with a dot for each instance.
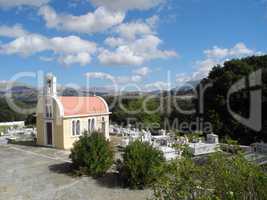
(49, 133)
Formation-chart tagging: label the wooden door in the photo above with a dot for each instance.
(49, 133)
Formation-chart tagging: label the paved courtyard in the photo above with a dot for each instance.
(43, 174)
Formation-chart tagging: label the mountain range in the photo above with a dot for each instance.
(29, 93)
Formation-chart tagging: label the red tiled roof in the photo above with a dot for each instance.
(83, 105)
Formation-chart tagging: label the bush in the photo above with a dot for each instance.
(141, 165)
(181, 180)
(187, 152)
(93, 154)
(219, 178)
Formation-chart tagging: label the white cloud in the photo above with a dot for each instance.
(82, 58)
(131, 30)
(114, 41)
(238, 50)
(99, 75)
(46, 58)
(218, 55)
(212, 58)
(204, 67)
(14, 3)
(26, 45)
(92, 22)
(137, 76)
(182, 78)
(216, 52)
(152, 21)
(128, 79)
(13, 31)
(148, 47)
(158, 85)
(115, 80)
(70, 50)
(123, 55)
(134, 52)
(72, 44)
(135, 43)
(144, 71)
(125, 5)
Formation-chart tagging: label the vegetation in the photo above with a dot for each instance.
(9, 115)
(219, 178)
(162, 111)
(3, 128)
(163, 106)
(92, 154)
(136, 110)
(30, 120)
(142, 165)
(231, 146)
(186, 151)
(215, 98)
(222, 78)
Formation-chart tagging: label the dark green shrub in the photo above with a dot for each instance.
(219, 178)
(187, 152)
(93, 154)
(142, 165)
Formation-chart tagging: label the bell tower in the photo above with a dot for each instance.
(50, 88)
(50, 92)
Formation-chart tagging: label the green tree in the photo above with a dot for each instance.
(93, 154)
(222, 77)
(142, 165)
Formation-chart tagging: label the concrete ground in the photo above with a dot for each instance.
(39, 173)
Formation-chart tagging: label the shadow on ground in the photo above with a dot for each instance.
(63, 168)
(23, 143)
(110, 180)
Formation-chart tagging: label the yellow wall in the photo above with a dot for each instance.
(58, 135)
(57, 126)
(40, 129)
(69, 139)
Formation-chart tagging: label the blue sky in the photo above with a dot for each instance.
(132, 42)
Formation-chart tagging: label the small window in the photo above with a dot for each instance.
(49, 83)
(50, 112)
(89, 125)
(47, 111)
(73, 128)
(93, 125)
(78, 127)
(103, 125)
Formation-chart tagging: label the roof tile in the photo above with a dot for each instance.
(74, 105)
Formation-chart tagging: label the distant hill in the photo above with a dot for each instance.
(67, 91)
(19, 91)
(186, 89)
(28, 93)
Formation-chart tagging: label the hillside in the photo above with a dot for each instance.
(216, 109)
